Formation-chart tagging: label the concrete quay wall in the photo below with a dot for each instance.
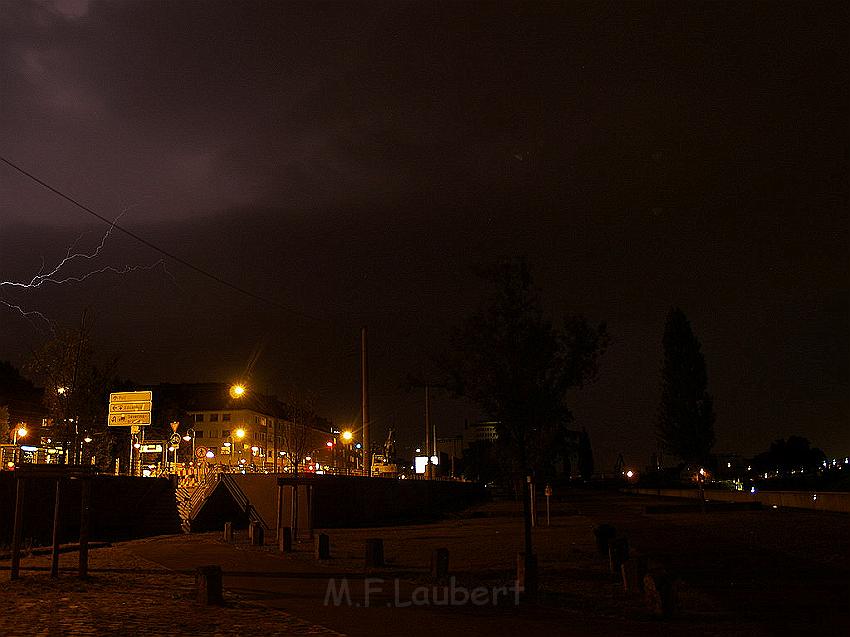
(816, 500)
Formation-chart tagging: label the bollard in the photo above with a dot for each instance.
(228, 531)
(323, 547)
(660, 594)
(633, 571)
(374, 552)
(208, 585)
(440, 564)
(526, 575)
(618, 552)
(604, 533)
(285, 540)
(256, 534)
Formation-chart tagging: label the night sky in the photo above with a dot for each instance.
(351, 162)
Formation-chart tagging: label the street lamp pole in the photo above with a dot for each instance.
(19, 432)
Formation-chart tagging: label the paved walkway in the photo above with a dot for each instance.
(146, 587)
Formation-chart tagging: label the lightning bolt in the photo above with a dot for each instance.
(57, 275)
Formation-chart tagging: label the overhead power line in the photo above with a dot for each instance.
(162, 251)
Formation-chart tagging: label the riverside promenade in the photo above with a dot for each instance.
(741, 573)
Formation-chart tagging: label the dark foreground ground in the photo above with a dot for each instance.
(751, 573)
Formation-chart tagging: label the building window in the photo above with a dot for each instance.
(199, 434)
(199, 418)
(213, 417)
(225, 433)
(225, 417)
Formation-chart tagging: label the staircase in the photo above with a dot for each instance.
(190, 497)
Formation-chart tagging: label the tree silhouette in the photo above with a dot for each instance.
(686, 418)
(517, 366)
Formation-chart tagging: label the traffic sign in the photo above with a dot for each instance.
(124, 407)
(130, 408)
(174, 439)
(125, 420)
(201, 452)
(150, 448)
(131, 396)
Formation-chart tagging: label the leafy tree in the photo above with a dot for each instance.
(4, 423)
(686, 417)
(517, 366)
(793, 454)
(76, 388)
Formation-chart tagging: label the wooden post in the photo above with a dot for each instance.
(20, 486)
(54, 558)
(85, 513)
(618, 552)
(374, 552)
(256, 534)
(285, 540)
(526, 575)
(208, 585)
(279, 511)
(323, 547)
(440, 564)
(294, 513)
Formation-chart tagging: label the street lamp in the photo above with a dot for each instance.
(229, 446)
(20, 432)
(240, 435)
(190, 435)
(237, 390)
(347, 437)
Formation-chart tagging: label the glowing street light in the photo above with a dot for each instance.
(347, 436)
(240, 433)
(237, 390)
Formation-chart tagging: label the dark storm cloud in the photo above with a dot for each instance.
(352, 160)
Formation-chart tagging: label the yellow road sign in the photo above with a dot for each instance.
(131, 397)
(125, 407)
(128, 419)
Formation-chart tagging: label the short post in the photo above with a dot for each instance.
(604, 533)
(548, 493)
(440, 564)
(255, 534)
(208, 585)
(285, 540)
(20, 485)
(228, 531)
(374, 552)
(54, 556)
(279, 516)
(85, 515)
(618, 552)
(633, 571)
(660, 594)
(323, 547)
(526, 575)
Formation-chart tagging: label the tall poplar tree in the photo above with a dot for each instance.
(686, 415)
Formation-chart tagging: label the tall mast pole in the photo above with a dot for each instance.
(364, 404)
(429, 470)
